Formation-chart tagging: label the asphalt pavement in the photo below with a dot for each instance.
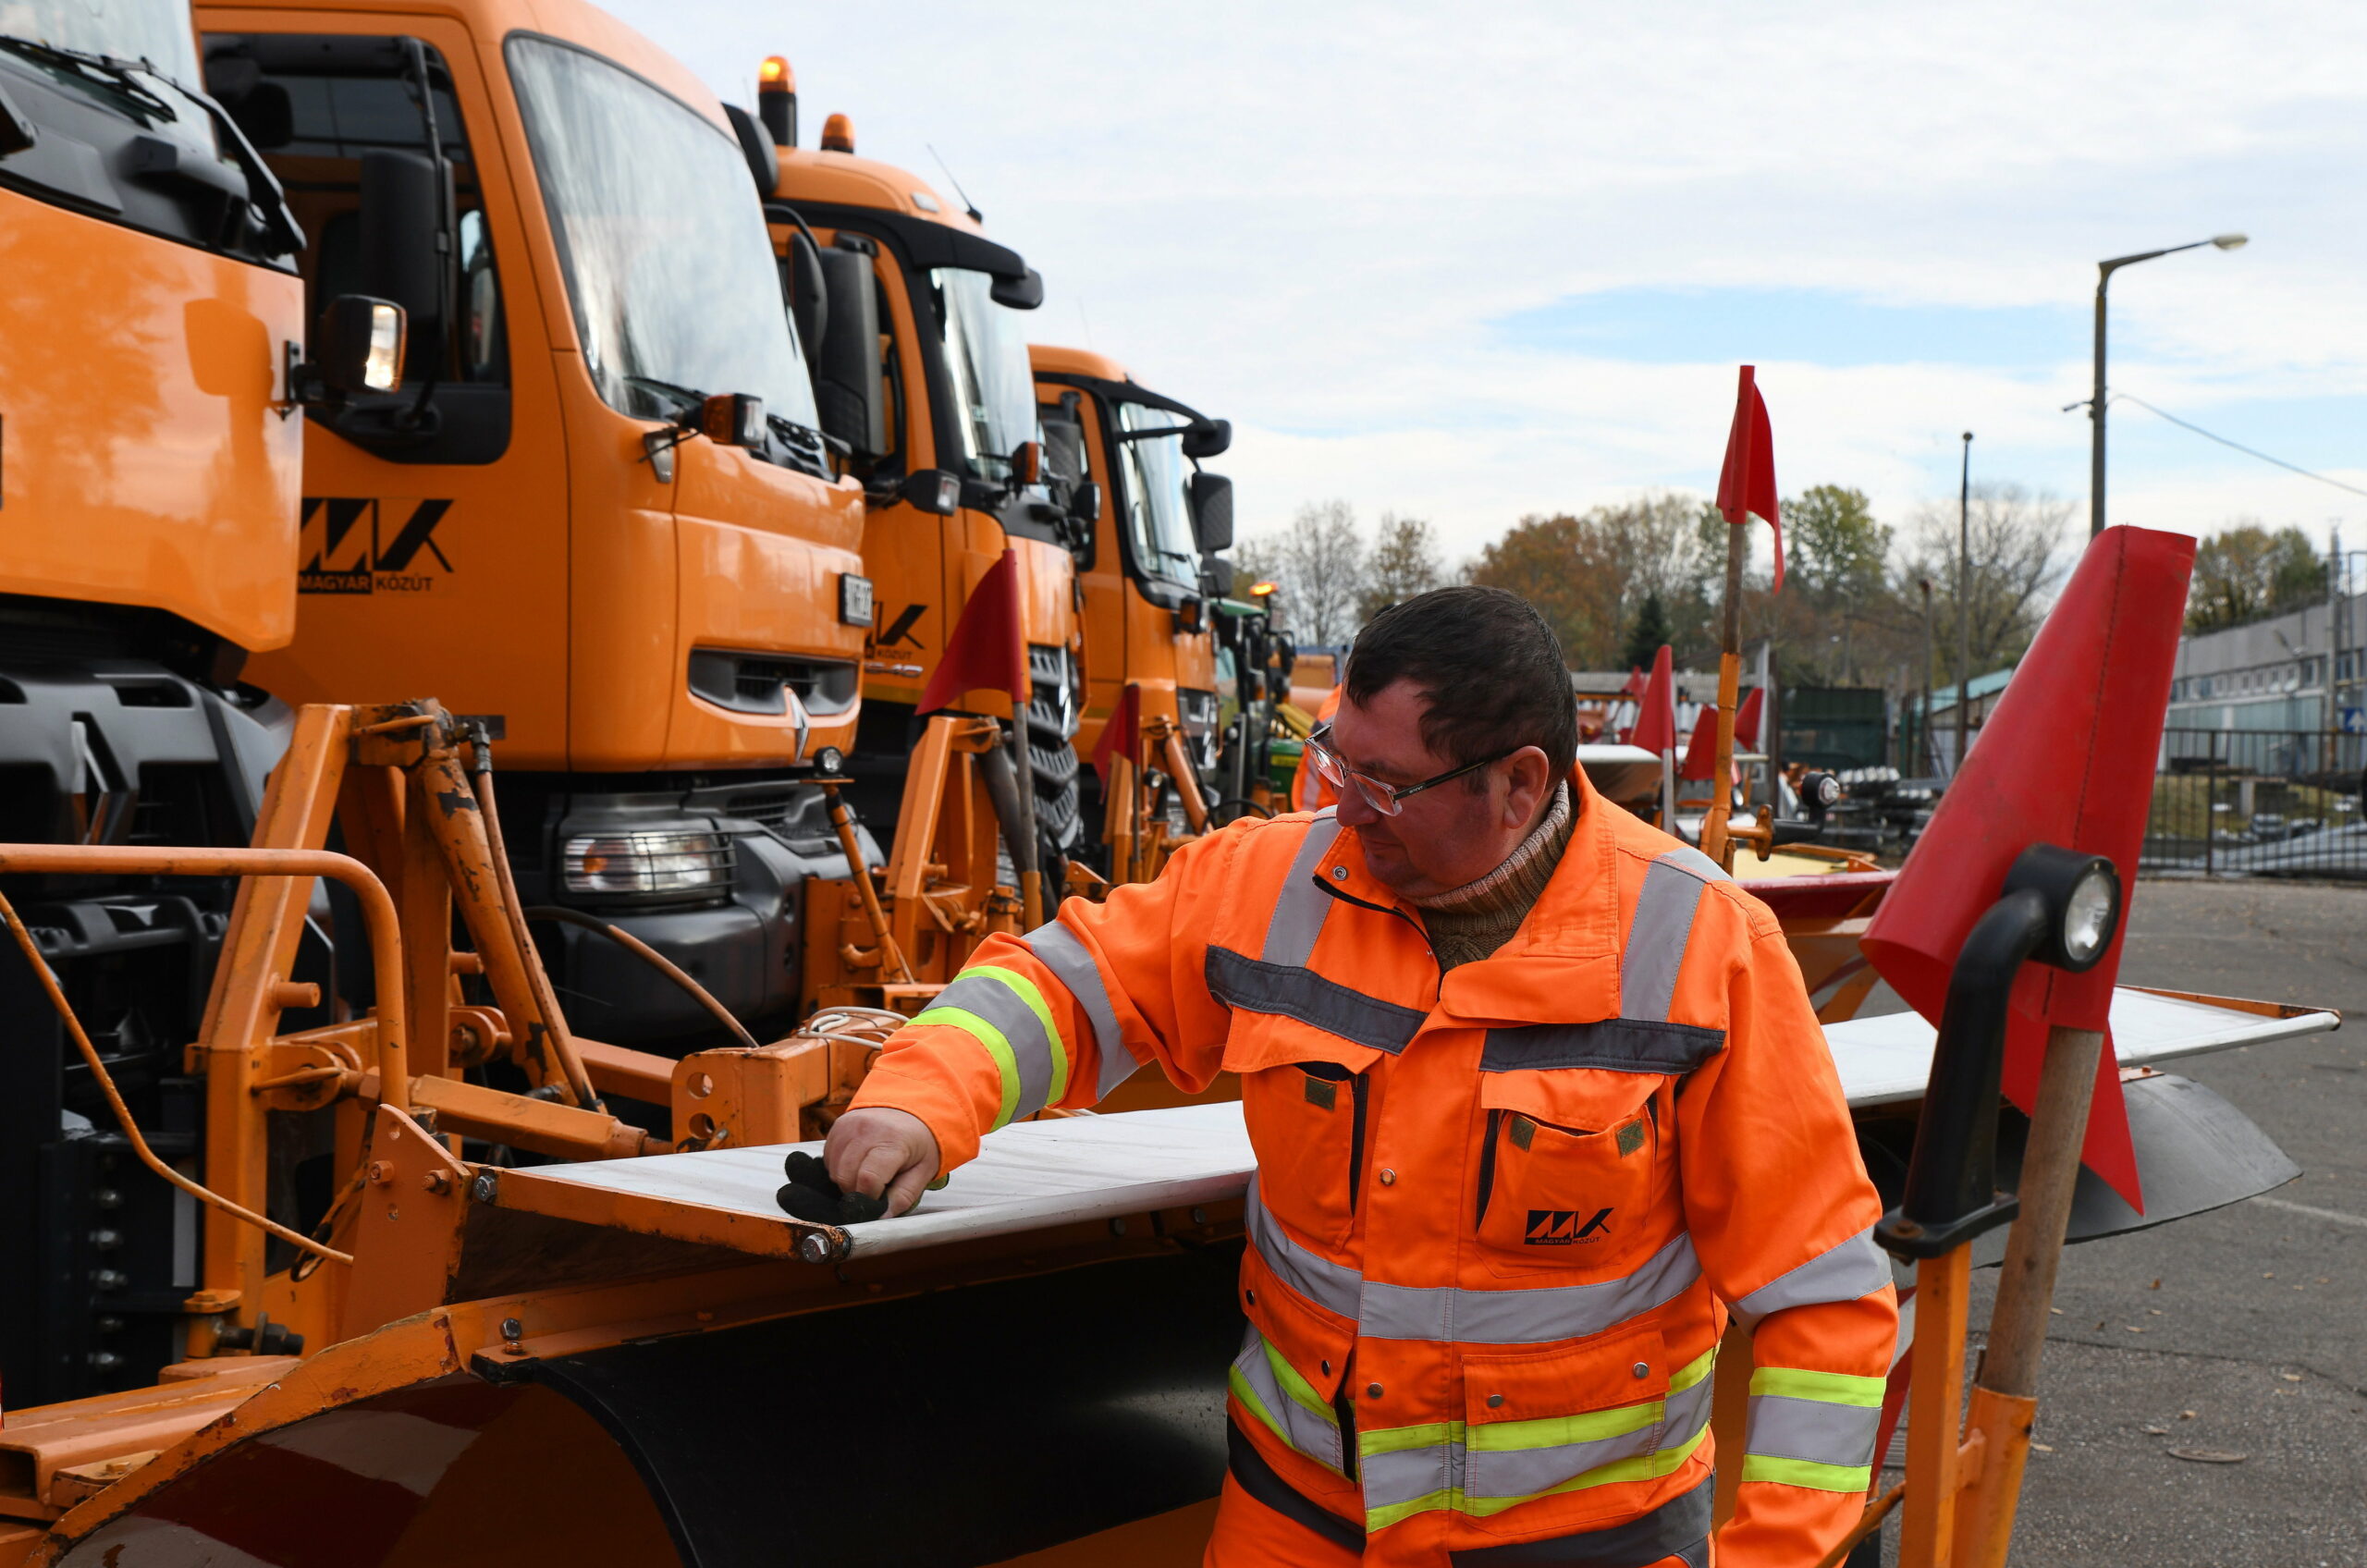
(2238, 1338)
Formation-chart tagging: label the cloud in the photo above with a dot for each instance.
(1477, 263)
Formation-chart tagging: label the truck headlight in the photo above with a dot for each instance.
(648, 862)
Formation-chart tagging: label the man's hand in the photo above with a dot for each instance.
(883, 1152)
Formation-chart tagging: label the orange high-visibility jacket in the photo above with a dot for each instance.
(1500, 1219)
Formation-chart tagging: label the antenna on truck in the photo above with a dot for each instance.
(969, 206)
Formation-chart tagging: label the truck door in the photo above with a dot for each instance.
(432, 555)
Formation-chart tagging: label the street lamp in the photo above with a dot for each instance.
(2096, 404)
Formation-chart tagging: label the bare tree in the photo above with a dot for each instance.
(2018, 554)
(1321, 563)
(1404, 561)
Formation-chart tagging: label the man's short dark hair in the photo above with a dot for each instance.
(1488, 667)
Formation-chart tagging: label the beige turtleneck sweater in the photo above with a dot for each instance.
(1473, 920)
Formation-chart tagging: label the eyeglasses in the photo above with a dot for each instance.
(1385, 798)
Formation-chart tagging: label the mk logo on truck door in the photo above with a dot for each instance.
(371, 545)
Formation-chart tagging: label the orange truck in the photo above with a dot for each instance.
(151, 332)
(598, 512)
(1125, 460)
(920, 368)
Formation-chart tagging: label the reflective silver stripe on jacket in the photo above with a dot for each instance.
(1450, 1315)
(1285, 1401)
(1852, 1269)
(1298, 913)
(1654, 950)
(1813, 1430)
(1065, 956)
(985, 996)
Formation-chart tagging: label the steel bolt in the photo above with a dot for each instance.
(483, 1188)
(106, 1238)
(814, 1247)
(379, 1173)
(436, 1181)
(109, 1279)
(104, 1360)
(107, 1197)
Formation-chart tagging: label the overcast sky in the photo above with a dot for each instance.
(1473, 261)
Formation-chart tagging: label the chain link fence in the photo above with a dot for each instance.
(2258, 803)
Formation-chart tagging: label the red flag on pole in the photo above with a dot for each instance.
(1701, 751)
(2067, 758)
(1119, 735)
(1747, 484)
(988, 649)
(1747, 721)
(1655, 727)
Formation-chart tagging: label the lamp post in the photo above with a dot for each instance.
(2096, 402)
(1931, 753)
(1963, 606)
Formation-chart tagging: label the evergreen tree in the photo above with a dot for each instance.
(1650, 632)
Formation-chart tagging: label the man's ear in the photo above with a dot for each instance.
(1528, 778)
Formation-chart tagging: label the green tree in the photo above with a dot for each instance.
(1833, 546)
(1567, 568)
(2245, 573)
(1650, 634)
(1404, 560)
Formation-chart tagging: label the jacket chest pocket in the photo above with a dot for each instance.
(1572, 1169)
(1305, 1100)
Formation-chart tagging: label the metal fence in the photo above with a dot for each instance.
(2258, 803)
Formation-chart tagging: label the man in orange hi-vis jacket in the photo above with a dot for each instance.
(1538, 1102)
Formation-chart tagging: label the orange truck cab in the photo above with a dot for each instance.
(598, 510)
(920, 367)
(1127, 460)
(150, 320)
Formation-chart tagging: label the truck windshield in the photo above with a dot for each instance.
(987, 350)
(1158, 511)
(157, 31)
(667, 263)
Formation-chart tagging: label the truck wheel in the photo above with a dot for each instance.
(1051, 745)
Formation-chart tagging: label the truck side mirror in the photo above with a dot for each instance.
(934, 490)
(1211, 512)
(356, 346)
(1208, 437)
(1022, 293)
(733, 418)
(809, 294)
(404, 197)
(1084, 501)
(757, 146)
(848, 392)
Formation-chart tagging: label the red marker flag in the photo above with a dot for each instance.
(1655, 727)
(2067, 758)
(1119, 736)
(1701, 751)
(1747, 484)
(988, 649)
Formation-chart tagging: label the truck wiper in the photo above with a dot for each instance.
(690, 397)
(263, 194)
(105, 69)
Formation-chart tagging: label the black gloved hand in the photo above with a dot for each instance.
(812, 1195)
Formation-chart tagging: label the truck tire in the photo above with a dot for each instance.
(1051, 746)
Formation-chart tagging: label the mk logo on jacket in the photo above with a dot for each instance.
(1559, 1227)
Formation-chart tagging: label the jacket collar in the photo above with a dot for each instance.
(1563, 964)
